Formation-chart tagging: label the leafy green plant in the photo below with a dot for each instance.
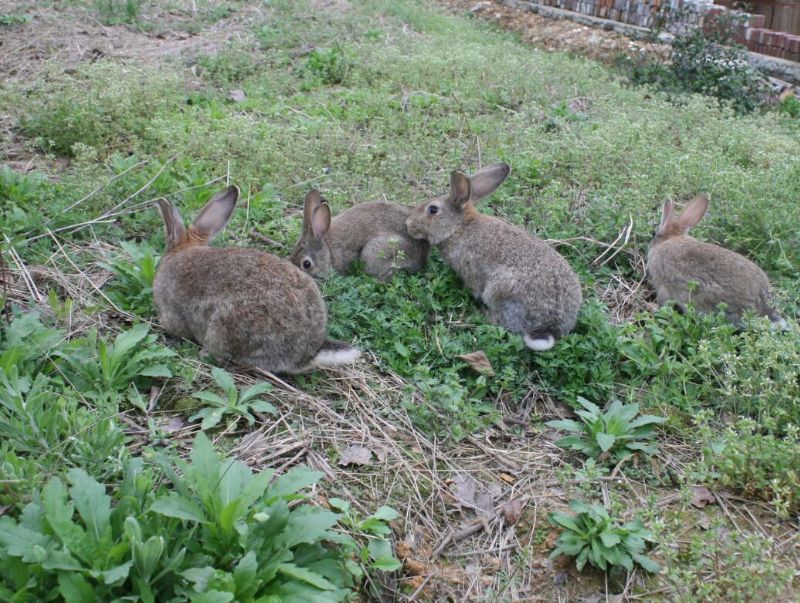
(377, 554)
(238, 405)
(132, 287)
(720, 564)
(614, 434)
(222, 534)
(7, 19)
(327, 66)
(789, 106)
(706, 61)
(594, 536)
(243, 522)
(103, 371)
(113, 12)
(756, 464)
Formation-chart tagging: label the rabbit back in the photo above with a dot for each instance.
(242, 305)
(720, 276)
(376, 234)
(527, 286)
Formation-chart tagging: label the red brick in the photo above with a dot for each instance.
(757, 20)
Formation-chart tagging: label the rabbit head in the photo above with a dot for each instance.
(312, 253)
(211, 219)
(678, 225)
(437, 219)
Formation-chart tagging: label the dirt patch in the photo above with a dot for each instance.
(554, 34)
(70, 35)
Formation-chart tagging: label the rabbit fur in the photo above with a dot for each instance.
(527, 287)
(675, 259)
(241, 305)
(374, 233)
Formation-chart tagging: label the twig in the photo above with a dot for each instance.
(26, 275)
(3, 273)
(626, 233)
(103, 218)
(254, 234)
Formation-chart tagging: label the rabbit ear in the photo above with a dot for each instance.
(486, 181)
(216, 213)
(460, 188)
(321, 221)
(666, 216)
(311, 203)
(692, 213)
(176, 232)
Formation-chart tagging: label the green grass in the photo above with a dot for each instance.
(386, 99)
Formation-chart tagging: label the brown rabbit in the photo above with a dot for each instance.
(241, 305)
(675, 259)
(374, 233)
(527, 287)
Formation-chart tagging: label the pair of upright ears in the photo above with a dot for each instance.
(211, 219)
(689, 217)
(482, 183)
(316, 215)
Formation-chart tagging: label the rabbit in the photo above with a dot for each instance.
(675, 259)
(374, 233)
(241, 305)
(527, 287)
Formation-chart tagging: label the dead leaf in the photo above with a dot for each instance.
(237, 96)
(356, 455)
(508, 478)
(702, 496)
(704, 522)
(478, 362)
(172, 424)
(470, 494)
(512, 511)
(415, 567)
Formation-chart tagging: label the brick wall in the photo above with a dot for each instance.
(696, 13)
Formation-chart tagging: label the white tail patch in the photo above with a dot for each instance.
(780, 325)
(540, 344)
(333, 357)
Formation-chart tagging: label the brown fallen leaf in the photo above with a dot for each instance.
(356, 455)
(512, 510)
(702, 496)
(478, 362)
(508, 478)
(470, 494)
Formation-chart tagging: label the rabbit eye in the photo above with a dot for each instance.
(306, 264)
(433, 210)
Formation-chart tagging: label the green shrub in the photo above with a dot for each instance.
(234, 403)
(107, 372)
(114, 12)
(756, 464)
(612, 435)
(131, 289)
(222, 534)
(594, 536)
(720, 564)
(705, 61)
(101, 108)
(790, 106)
(326, 67)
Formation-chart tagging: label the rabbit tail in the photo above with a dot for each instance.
(334, 352)
(539, 342)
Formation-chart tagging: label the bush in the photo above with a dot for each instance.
(594, 536)
(612, 435)
(706, 62)
(102, 108)
(756, 464)
(222, 534)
